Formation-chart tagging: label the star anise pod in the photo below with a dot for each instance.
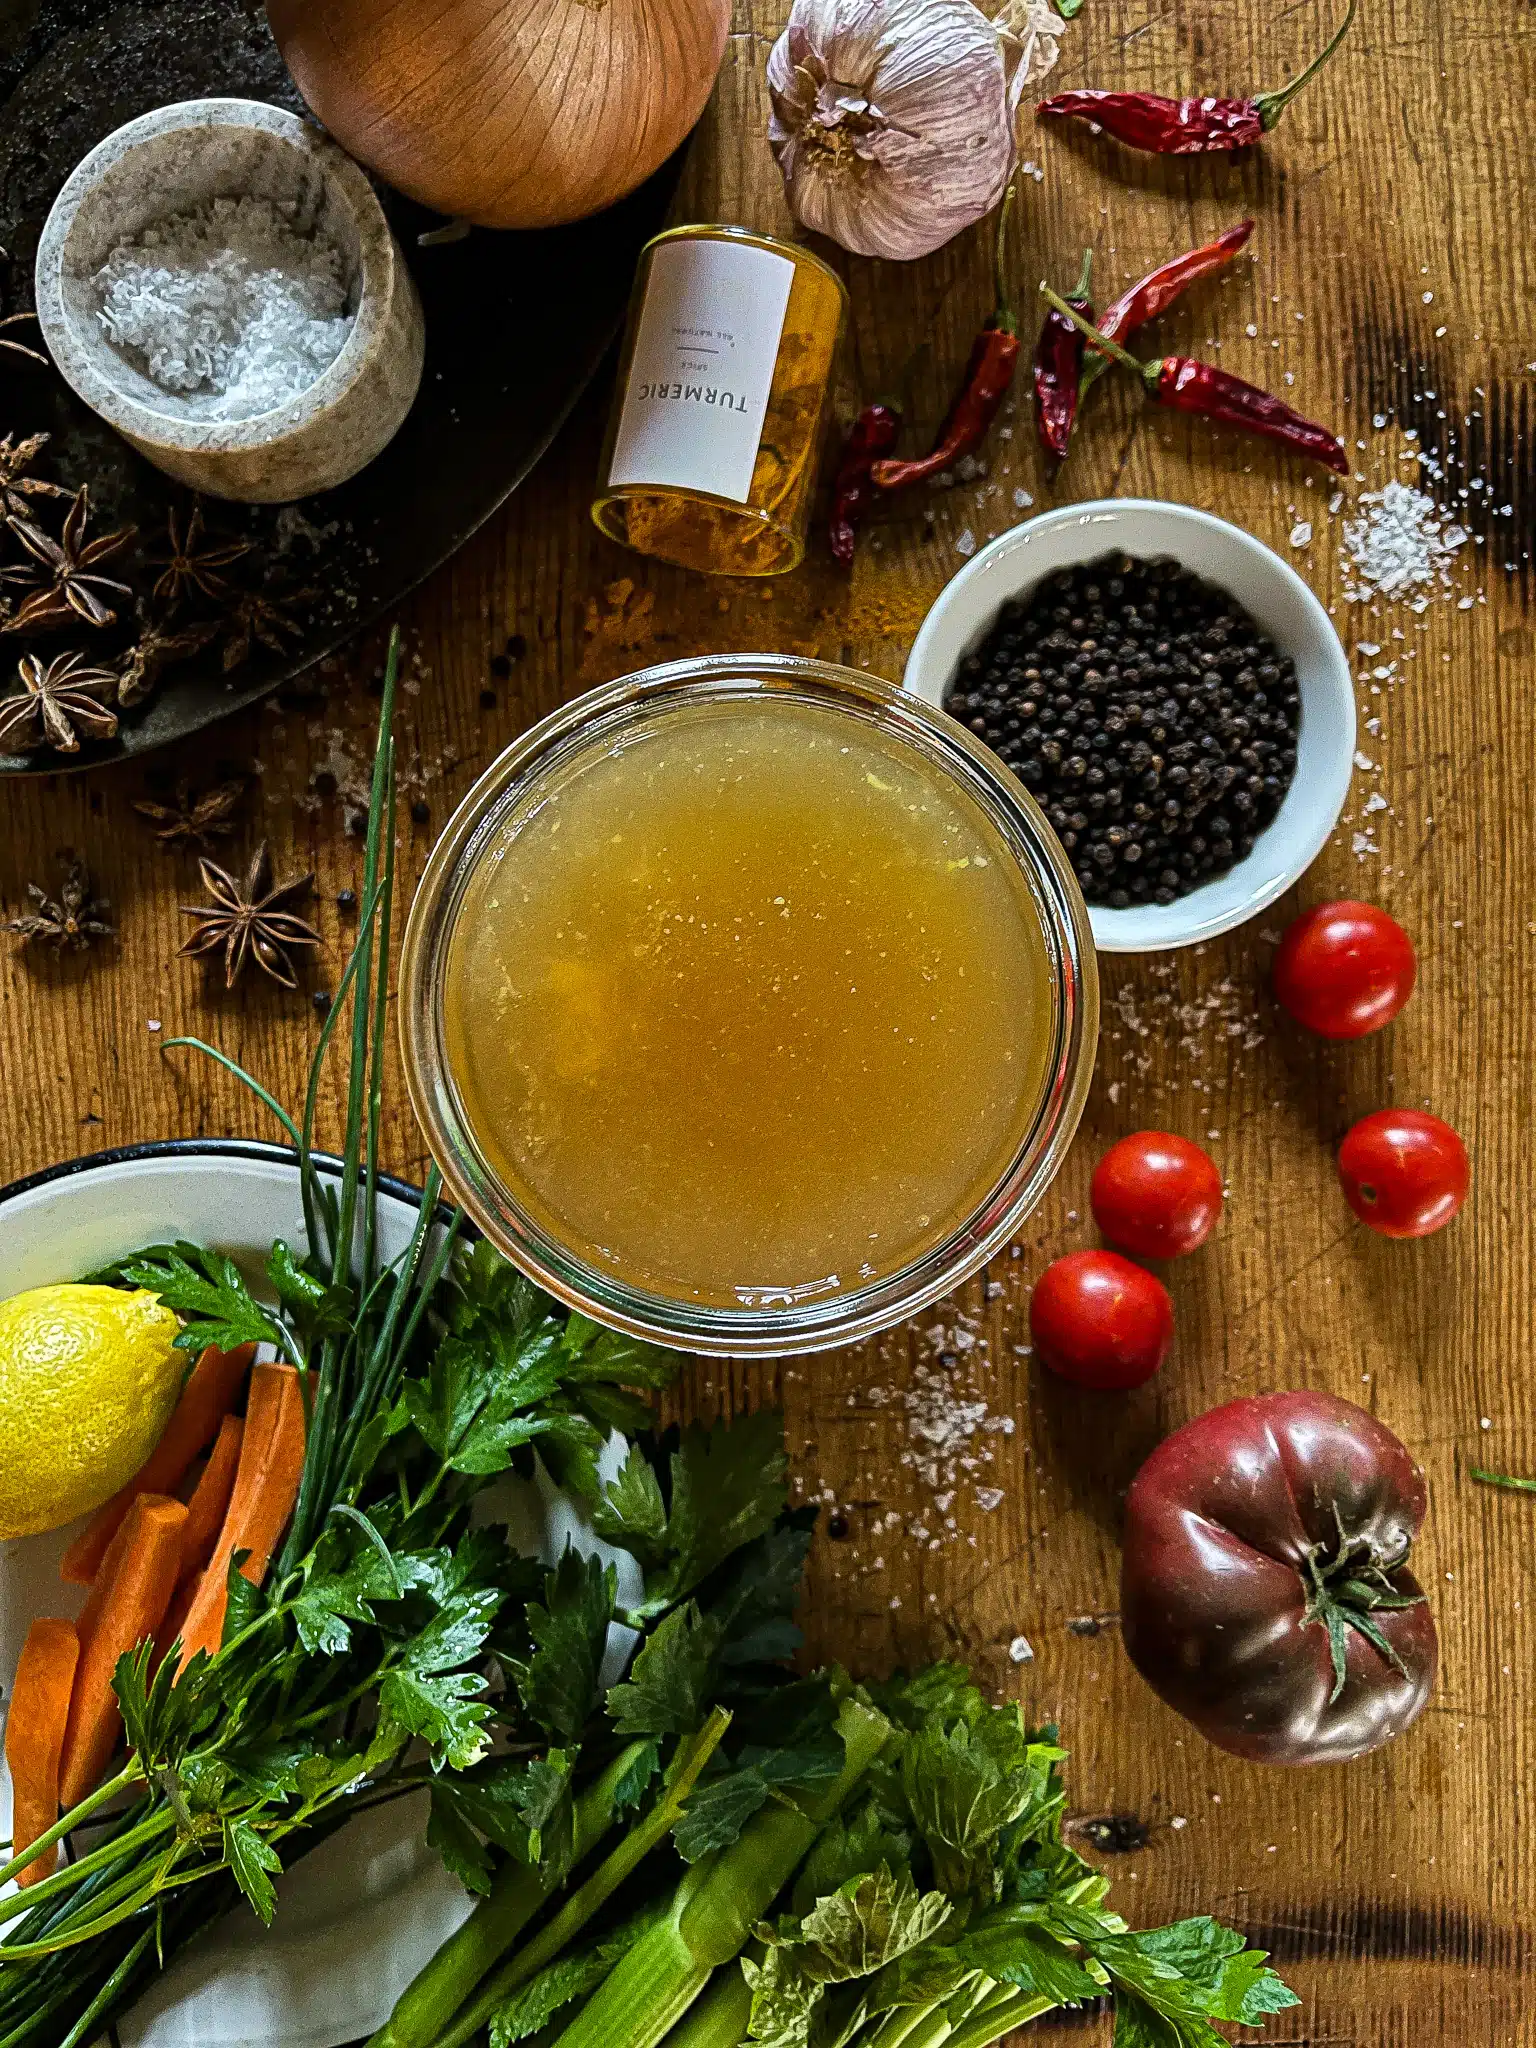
(71, 919)
(17, 485)
(194, 821)
(154, 651)
(56, 704)
(72, 565)
(19, 348)
(250, 919)
(255, 615)
(194, 562)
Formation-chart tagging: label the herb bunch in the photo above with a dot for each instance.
(908, 1887)
(359, 1669)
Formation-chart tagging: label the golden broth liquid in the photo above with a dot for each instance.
(754, 1006)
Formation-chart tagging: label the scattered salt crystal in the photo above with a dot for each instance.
(966, 544)
(1375, 802)
(1021, 498)
(989, 1498)
(1401, 542)
(232, 309)
(1335, 503)
(1250, 330)
(1363, 761)
(1178, 1821)
(1021, 1651)
(1301, 534)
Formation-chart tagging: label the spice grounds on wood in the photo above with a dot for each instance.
(1147, 712)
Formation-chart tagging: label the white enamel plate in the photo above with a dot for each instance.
(358, 1917)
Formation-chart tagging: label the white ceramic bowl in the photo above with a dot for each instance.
(172, 161)
(1282, 605)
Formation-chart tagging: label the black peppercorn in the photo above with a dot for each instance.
(1129, 696)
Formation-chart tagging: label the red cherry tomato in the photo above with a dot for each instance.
(1344, 969)
(1099, 1321)
(1405, 1172)
(1156, 1196)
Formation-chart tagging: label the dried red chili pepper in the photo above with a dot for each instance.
(1168, 127)
(872, 435)
(1156, 292)
(988, 376)
(1059, 369)
(1184, 385)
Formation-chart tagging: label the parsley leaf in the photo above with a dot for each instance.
(725, 1489)
(471, 1409)
(558, 1682)
(208, 1290)
(668, 1687)
(252, 1859)
(464, 1855)
(426, 1694)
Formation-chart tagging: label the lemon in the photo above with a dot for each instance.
(88, 1380)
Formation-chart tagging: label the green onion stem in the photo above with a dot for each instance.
(599, 1887)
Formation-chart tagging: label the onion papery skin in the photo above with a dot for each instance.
(506, 113)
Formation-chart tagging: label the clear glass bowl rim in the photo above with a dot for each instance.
(806, 1325)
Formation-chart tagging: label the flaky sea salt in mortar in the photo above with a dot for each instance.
(232, 309)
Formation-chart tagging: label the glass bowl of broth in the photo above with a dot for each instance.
(748, 1004)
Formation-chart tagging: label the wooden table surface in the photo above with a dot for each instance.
(1393, 278)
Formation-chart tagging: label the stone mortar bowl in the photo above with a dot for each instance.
(175, 160)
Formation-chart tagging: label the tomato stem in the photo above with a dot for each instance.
(1351, 1580)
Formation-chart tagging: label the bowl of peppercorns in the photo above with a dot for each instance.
(1171, 694)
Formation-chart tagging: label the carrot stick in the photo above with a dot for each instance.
(90, 1613)
(210, 1499)
(266, 1487)
(34, 1738)
(205, 1400)
(133, 1607)
(175, 1620)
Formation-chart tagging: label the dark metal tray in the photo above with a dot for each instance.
(517, 325)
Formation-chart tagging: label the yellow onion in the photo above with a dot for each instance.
(508, 113)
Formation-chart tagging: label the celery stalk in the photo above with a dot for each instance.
(716, 1907)
(578, 1909)
(993, 2021)
(429, 2002)
(718, 2019)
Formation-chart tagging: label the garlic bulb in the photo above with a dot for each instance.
(893, 120)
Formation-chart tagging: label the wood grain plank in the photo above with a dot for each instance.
(1399, 1892)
